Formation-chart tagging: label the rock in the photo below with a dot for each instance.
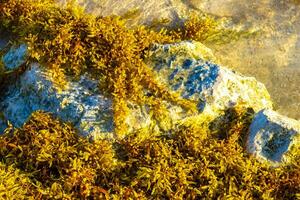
(15, 57)
(272, 137)
(79, 104)
(188, 68)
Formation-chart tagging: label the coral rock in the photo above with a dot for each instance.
(272, 137)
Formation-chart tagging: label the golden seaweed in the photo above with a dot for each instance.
(47, 159)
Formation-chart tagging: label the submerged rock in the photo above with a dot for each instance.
(272, 137)
(188, 68)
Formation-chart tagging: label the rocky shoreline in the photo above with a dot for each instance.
(187, 67)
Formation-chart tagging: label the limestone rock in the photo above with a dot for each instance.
(273, 136)
(79, 103)
(188, 68)
(15, 57)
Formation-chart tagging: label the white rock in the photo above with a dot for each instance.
(188, 68)
(272, 136)
(80, 103)
(77, 104)
(182, 66)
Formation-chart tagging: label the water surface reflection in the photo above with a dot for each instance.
(273, 56)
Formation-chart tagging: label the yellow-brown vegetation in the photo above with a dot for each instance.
(47, 159)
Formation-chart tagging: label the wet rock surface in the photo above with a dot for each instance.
(186, 67)
(78, 104)
(15, 57)
(272, 136)
(192, 72)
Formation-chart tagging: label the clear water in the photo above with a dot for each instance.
(274, 56)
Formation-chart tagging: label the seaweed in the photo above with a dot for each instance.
(48, 159)
(14, 184)
(55, 158)
(193, 162)
(67, 41)
(208, 29)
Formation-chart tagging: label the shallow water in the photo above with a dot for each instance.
(273, 56)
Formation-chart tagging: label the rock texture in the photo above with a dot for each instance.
(15, 57)
(188, 68)
(79, 104)
(272, 137)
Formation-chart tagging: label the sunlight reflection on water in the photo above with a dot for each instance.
(273, 56)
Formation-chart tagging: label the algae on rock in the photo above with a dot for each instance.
(167, 152)
(188, 68)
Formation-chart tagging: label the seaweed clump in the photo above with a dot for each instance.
(193, 162)
(59, 163)
(208, 29)
(68, 41)
(47, 159)
(14, 184)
